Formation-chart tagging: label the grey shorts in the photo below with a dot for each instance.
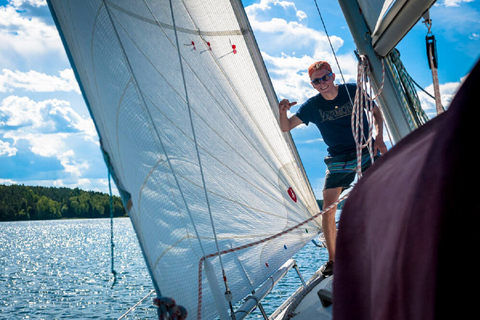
(341, 170)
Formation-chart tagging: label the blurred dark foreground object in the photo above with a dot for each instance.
(407, 244)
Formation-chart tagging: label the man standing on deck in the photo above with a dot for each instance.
(331, 111)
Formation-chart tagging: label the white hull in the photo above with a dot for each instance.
(305, 303)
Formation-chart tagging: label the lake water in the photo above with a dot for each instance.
(61, 269)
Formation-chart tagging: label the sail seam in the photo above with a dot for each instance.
(224, 33)
(287, 180)
(284, 232)
(283, 178)
(149, 115)
(193, 129)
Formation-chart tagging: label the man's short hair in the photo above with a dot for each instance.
(319, 65)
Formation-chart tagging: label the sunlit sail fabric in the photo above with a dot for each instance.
(190, 142)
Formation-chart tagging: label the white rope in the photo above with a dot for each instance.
(133, 308)
(364, 102)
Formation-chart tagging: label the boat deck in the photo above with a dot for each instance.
(307, 304)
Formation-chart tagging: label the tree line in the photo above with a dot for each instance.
(20, 202)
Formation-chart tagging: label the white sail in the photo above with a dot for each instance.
(186, 116)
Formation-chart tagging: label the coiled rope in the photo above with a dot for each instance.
(364, 102)
(357, 116)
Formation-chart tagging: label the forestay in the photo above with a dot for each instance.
(190, 140)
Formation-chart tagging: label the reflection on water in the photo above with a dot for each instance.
(60, 269)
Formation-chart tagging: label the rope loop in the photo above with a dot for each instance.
(364, 102)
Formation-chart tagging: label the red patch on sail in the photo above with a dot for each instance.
(292, 194)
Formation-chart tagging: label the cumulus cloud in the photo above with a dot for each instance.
(44, 139)
(288, 35)
(38, 82)
(289, 46)
(20, 35)
(48, 116)
(32, 3)
(454, 3)
(447, 92)
(47, 129)
(6, 149)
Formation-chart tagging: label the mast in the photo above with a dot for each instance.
(389, 99)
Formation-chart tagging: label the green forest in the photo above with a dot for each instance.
(19, 202)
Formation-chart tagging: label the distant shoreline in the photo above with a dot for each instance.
(64, 219)
(34, 203)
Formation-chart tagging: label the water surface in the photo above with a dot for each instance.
(61, 269)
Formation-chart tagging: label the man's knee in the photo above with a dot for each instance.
(330, 196)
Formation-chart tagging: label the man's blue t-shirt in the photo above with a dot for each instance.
(333, 119)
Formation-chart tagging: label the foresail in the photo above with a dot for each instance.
(186, 116)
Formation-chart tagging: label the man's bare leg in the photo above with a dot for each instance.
(330, 196)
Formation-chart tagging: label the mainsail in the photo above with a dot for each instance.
(187, 121)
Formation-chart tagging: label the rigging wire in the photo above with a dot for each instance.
(112, 244)
(213, 95)
(331, 46)
(168, 158)
(133, 308)
(228, 294)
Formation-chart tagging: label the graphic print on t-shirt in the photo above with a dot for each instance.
(337, 112)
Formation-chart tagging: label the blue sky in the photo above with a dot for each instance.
(47, 137)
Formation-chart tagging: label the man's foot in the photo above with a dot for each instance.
(327, 268)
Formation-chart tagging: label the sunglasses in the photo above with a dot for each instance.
(324, 78)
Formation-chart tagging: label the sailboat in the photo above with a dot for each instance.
(188, 125)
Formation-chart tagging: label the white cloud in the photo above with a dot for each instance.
(283, 35)
(48, 116)
(21, 111)
(474, 36)
(55, 145)
(38, 82)
(43, 141)
(454, 3)
(52, 129)
(45, 145)
(33, 3)
(447, 92)
(8, 182)
(7, 149)
(20, 36)
(299, 47)
(267, 4)
(301, 15)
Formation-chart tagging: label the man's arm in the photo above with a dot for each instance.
(287, 124)
(379, 145)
